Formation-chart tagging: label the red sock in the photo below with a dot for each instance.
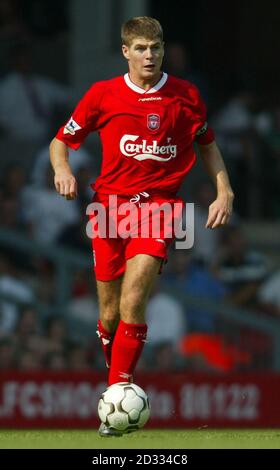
(106, 339)
(127, 347)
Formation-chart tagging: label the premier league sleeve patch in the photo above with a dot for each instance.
(71, 127)
(203, 129)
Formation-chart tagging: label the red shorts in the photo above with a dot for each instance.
(138, 227)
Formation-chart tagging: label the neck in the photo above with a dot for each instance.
(145, 83)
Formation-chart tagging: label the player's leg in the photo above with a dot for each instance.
(139, 277)
(109, 302)
(109, 266)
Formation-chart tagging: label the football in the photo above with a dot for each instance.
(124, 406)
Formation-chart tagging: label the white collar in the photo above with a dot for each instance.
(138, 89)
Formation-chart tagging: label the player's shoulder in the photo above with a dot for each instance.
(184, 87)
(104, 85)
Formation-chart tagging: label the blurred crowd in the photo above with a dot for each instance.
(186, 327)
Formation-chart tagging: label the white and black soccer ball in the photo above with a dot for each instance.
(124, 406)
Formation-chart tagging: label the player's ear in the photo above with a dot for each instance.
(125, 51)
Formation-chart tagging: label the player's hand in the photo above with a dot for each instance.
(66, 185)
(220, 211)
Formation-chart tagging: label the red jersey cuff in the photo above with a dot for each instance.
(72, 145)
(206, 138)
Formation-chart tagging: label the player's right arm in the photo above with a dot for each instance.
(86, 118)
(64, 180)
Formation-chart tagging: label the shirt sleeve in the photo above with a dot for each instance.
(204, 134)
(85, 118)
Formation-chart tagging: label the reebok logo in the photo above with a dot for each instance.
(151, 98)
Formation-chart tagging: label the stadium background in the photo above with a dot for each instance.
(219, 346)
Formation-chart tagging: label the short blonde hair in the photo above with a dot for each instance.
(141, 26)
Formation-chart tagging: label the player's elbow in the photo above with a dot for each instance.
(52, 144)
(55, 144)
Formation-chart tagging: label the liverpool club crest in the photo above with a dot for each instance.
(153, 122)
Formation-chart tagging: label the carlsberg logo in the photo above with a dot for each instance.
(142, 151)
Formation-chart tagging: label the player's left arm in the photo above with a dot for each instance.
(221, 208)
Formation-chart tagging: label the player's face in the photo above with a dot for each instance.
(144, 59)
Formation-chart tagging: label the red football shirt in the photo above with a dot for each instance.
(147, 136)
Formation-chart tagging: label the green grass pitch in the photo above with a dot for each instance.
(144, 439)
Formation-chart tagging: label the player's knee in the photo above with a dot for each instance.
(131, 302)
(109, 316)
